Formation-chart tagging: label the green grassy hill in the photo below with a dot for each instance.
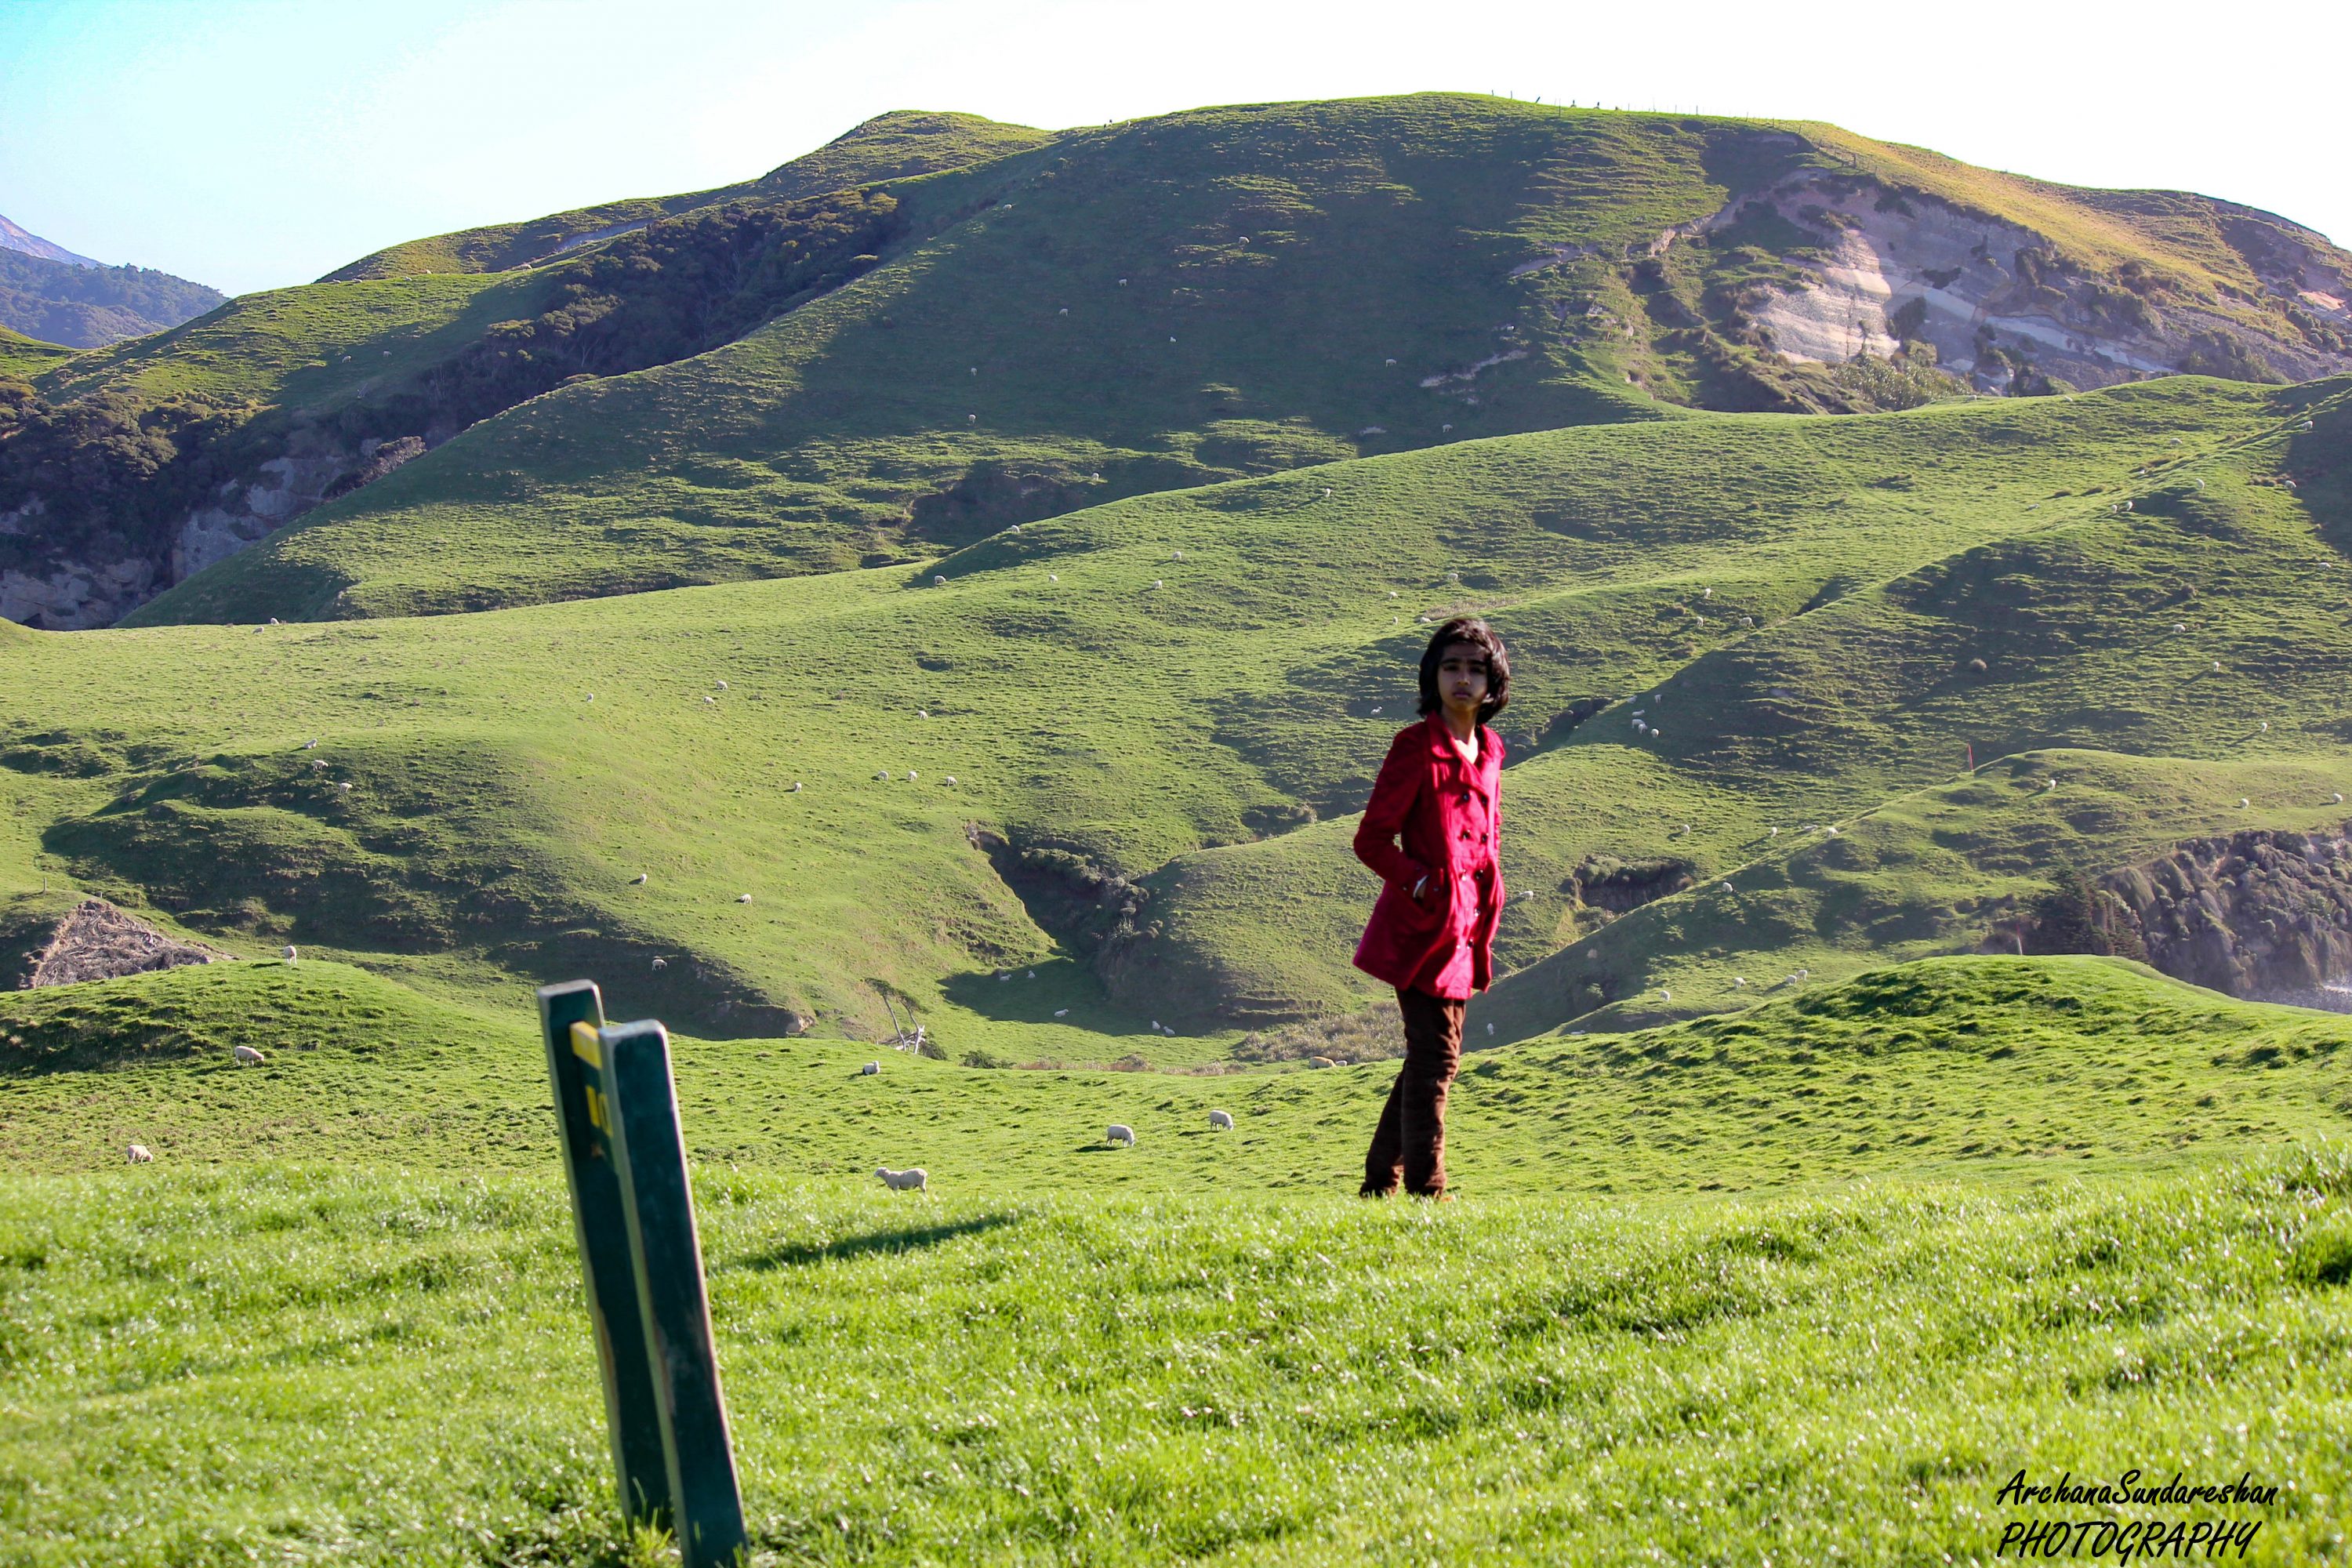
(1157, 712)
(1989, 1066)
(991, 324)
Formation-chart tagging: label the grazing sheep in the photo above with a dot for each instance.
(1389, 362)
(722, 686)
(922, 712)
(742, 898)
(912, 1180)
(343, 789)
(1727, 887)
(310, 744)
(660, 965)
(245, 1054)
(1221, 1118)
(1159, 582)
(951, 778)
(290, 955)
(1376, 712)
(1061, 1012)
(2243, 802)
(638, 880)
(795, 789)
(939, 581)
(1771, 833)
(1321, 1062)
(911, 775)
(2338, 797)
(870, 1069)
(1665, 994)
(1739, 982)
(1053, 576)
(140, 1154)
(2180, 625)
(1490, 1029)
(2266, 726)
(2217, 667)
(1119, 1132)
(1978, 665)
(707, 697)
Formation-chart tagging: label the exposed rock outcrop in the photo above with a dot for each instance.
(2006, 307)
(2263, 915)
(96, 940)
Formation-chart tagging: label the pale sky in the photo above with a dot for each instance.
(251, 143)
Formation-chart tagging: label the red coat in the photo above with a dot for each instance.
(1450, 815)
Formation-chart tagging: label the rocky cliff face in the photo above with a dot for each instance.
(2005, 308)
(71, 593)
(2263, 915)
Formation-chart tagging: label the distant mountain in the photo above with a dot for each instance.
(14, 239)
(51, 294)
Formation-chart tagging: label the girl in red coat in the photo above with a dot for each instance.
(1432, 933)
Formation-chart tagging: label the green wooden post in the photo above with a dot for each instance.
(601, 1223)
(642, 1100)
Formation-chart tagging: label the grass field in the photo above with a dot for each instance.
(308, 1364)
(2000, 1215)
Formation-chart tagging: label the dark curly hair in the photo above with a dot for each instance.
(1480, 635)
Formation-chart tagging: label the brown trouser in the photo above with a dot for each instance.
(1410, 1142)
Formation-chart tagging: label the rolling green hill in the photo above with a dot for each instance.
(1157, 712)
(990, 324)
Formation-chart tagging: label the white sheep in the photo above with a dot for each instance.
(722, 686)
(311, 743)
(707, 697)
(1119, 1132)
(951, 778)
(939, 581)
(2338, 797)
(1053, 576)
(660, 965)
(140, 1154)
(922, 712)
(638, 880)
(1061, 1012)
(1739, 982)
(1727, 887)
(912, 775)
(1222, 1120)
(1490, 1029)
(911, 1181)
(870, 1069)
(1321, 1062)
(742, 898)
(290, 955)
(246, 1054)
(343, 789)
(795, 789)
(2266, 726)
(1159, 582)
(2243, 802)
(2217, 667)
(1665, 994)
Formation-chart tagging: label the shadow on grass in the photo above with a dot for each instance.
(792, 1255)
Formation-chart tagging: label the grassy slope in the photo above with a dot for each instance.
(1995, 1066)
(25, 358)
(1277, 260)
(1006, 1375)
(887, 147)
(498, 813)
(1830, 714)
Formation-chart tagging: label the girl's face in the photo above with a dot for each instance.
(1461, 676)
